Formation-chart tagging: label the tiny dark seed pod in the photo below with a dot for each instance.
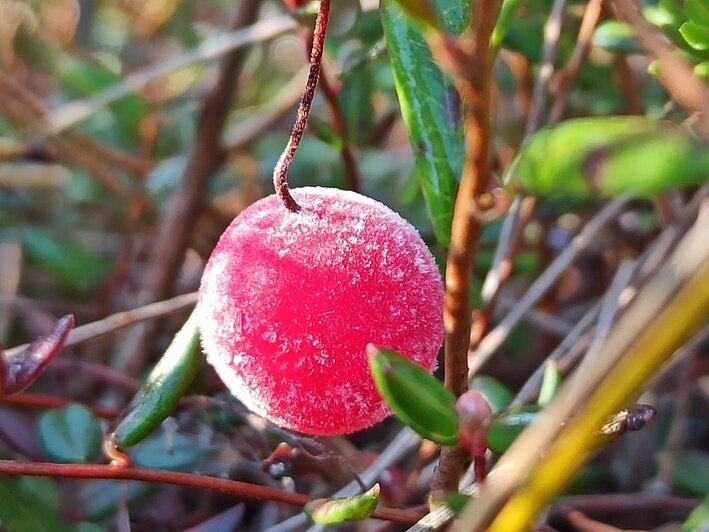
(639, 415)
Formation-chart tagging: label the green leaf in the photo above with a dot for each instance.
(417, 398)
(71, 263)
(509, 424)
(23, 509)
(698, 520)
(334, 511)
(630, 155)
(176, 452)
(70, 435)
(616, 37)
(505, 18)
(691, 473)
(100, 498)
(696, 36)
(164, 387)
(697, 11)
(357, 106)
(85, 526)
(550, 383)
(496, 393)
(429, 105)
(423, 10)
(702, 70)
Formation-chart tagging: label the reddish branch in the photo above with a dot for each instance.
(48, 401)
(280, 172)
(471, 61)
(232, 487)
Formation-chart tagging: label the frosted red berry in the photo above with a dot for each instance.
(289, 302)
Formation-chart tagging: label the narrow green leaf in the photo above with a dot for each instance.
(23, 510)
(550, 383)
(430, 107)
(70, 435)
(417, 398)
(611, 156)
(504, 20)
(496, 393)
(163, 388)
(334, 511)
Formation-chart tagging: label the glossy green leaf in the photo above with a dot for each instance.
(696, 36)
(697, 11)
(430, 107)
(509, 424)
(698, 520)
(550, 383)
(71, 263)
(497, 394)
(70, 435)
(616, 37)
(609, 156)
(334, 511)
(23, 509)
(417, 398)
(163, 388)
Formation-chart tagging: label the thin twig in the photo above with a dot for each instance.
(544, 282)
(47, 401)
(552, 31)
(609, 310)
(475, 87)
(591, 15)
(280, 172)
(521, 211)
(121, 320)
(232, 487)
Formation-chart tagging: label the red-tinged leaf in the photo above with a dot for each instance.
(21, 370)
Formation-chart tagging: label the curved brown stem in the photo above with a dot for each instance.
(233, 487)
(280, 172)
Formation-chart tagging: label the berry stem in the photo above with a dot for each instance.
(280, 172)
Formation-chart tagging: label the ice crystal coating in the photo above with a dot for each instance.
(289, 302)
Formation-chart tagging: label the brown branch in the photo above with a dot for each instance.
(232, 487)
(475, 84)
(188, 480)
(47, 401)
(349, 161)
(280, 172)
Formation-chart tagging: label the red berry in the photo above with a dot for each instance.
(289, 302)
